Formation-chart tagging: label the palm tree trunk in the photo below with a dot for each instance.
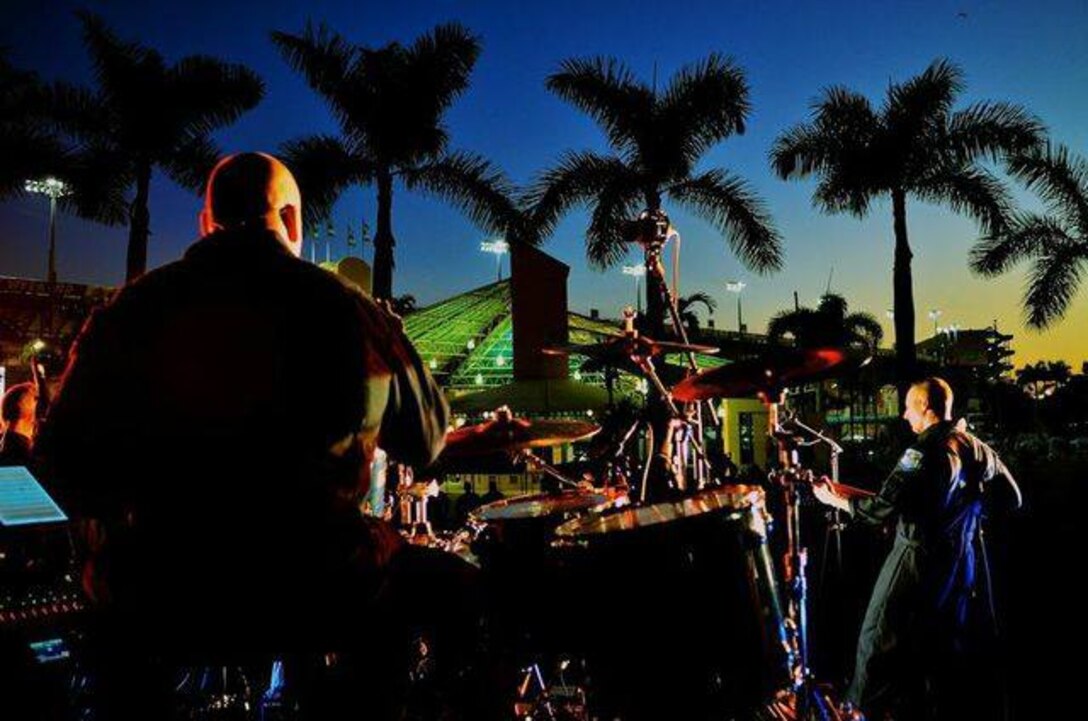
(903, 298)
(383, 238)
(139, 224)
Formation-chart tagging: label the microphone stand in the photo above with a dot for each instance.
(835, 522)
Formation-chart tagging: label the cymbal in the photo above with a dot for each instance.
(506, 433)
(767, 375)
(725, 499)
(541, 505)
(621, 348)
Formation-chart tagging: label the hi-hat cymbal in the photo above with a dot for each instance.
(751, 378)
(621, 348)
(505, 434)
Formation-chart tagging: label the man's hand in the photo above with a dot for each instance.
(826, 494)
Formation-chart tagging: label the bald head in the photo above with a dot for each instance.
(928, 401)
(253, 190)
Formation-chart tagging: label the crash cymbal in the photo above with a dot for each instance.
(506, 434)
(620, 348)
(766, 375)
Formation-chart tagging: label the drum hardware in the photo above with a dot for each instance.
(636, 353)
(808, 702)
(835, 525)
(656, 230)
(767, 379)
(557, 702)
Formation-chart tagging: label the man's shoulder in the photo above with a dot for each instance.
(139, 293)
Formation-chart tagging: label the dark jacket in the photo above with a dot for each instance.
(219, 415)
(929, 597)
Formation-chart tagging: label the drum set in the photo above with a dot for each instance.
(616, 600)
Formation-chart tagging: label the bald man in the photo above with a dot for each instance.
(918, 649)
(218, 418)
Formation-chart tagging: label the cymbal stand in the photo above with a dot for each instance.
(653, 243)
(645, 363)
(808, 702)
(536, 463)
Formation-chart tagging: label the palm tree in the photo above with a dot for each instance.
(389, 103)
(28, 145)
(1043, 378)
(145, 115)
(685, 308)
(1056, 244)
(830, 324)
(657, 139)
(916, 146)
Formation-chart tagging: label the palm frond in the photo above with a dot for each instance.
(698, 298)
(323, 168)
(1028, 235)
(840, 139)
(191, 161)
(1060, 179)
(609, 236)
(800, 151)
(1053, 282)
(80, 113)
(922, 100)
(737, 212)
(209, 93)
(100, 179)
(796, 323)
(122, 69)
(835, 194)
(574, 181)
(322, 56)
(993, 130)
(441, 62)
(606, 90)
(479, 190)
(972, 191)
(705, 103)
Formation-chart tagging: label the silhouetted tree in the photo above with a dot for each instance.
(916, 146)
(389, 103)
(685, 307)
(657, 139)
(830, 324)
(145, 114)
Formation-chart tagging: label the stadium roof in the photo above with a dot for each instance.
(467, 341)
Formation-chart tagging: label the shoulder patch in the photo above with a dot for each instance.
(910, 461)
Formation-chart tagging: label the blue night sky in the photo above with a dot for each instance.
(1030, 53)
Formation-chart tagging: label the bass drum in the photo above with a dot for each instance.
(678, 613)
(525, 586)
